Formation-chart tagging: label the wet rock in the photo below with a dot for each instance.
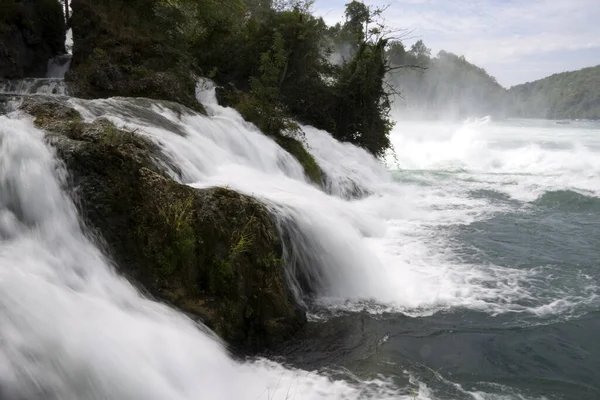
(213, 253)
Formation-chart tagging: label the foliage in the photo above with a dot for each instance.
(362, 112)
(275, 53)
(568, 95)
(279, 58)
(181, 239)
(131, 48)
(298, 150)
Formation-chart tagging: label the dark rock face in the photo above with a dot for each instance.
(31, 32)
(213, 253)
(119, 50)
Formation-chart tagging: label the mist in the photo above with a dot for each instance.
(447, 87)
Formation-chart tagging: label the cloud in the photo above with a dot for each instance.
(493, 33)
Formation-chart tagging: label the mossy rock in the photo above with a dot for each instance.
(213, 253)
(297, 149)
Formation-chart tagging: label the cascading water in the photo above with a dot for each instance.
(72, 329)
(344, 253)
(52, 84)
(43, 86)
(58, 66)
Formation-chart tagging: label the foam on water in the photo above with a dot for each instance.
(386, 249)
(521, 160)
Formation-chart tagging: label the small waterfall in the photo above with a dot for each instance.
(325, 243)
(58, 66)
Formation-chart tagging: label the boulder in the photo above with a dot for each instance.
(213, 253)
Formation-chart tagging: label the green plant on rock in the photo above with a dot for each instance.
(224, 268)
(180, 245)
(114, 137)
(263, 105)
(298, 150)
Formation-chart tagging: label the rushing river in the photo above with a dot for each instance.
(465, 268)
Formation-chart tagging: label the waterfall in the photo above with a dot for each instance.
(73, 329)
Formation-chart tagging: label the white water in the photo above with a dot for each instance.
(521, 158)
(52, 84)
(72, 329)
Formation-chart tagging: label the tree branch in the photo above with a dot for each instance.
(405, 66)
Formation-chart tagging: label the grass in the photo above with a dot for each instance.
(181, 246)
(114, 137)
(224, 268)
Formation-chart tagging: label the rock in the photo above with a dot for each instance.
(213, 253)
(118, 50)
(31, 32)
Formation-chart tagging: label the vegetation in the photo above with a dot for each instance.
(30, 33)
(273, 56)
(568, 95)
(130, 48)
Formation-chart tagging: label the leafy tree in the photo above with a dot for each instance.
(420, 53)
(358, 16)
(362, 109)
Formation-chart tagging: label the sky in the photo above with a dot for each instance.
(516, 41)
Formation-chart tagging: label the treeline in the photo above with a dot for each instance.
(278, 59)
(568, 95)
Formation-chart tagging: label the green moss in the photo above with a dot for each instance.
(272, 124)
(180, 244)
(295, 148)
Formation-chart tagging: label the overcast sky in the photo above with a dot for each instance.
(514, 40)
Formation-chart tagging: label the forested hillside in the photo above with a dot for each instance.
(568, 95)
